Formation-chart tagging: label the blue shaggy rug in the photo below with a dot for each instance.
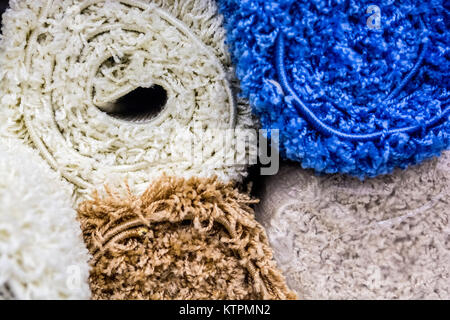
(357, 87)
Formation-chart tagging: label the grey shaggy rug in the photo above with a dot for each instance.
(336, 237)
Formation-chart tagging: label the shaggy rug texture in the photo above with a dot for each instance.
(182, 239)
(66, 66)
(356, 87)
(42, 254)
(336, 237)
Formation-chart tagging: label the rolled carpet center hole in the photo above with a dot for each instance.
(141, 104)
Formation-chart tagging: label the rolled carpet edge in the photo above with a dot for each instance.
(346, 98)
(42, 254)
(55, 78)
(181, 239)
(336, 237)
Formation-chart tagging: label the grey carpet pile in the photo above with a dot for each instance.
(336, 237)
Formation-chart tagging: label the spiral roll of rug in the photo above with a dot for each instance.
(336, 237)
(42, 254)
(182, 239)
(357, 87)
(74, 73)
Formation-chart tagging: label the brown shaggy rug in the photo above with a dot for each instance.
(181, 239)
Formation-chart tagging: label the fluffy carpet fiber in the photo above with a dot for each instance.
(346, 96)
(42, 254)
(336, 237)
(182, 239)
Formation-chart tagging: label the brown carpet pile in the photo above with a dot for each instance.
(181, 239)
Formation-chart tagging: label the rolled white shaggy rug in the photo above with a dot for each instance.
(336, 237)
(65, 66)
(42, 255)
